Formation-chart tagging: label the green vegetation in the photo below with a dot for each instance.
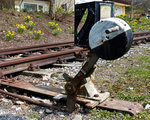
(107, 115)
(38, 16)
(54, 75)
(27, 18)
(20, 28)
(132, 84)
(30, 25)
(34, 115)
(37, 34)
(9, 35)
(137, 24)
(5, 9)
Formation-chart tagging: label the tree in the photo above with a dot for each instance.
(9, 4)
(52, 9)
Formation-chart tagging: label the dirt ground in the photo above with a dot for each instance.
(9, 19)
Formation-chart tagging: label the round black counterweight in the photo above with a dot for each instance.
(110, 38)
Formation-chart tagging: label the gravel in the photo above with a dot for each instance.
(10, 111)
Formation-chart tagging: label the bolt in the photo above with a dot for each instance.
(105, 104)
(102, 91)
(96, 95)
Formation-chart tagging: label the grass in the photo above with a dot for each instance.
(34, 115)
(107, 115)
(132, 84)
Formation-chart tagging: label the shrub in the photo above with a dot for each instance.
(53, 25)
(30, 25)
(20, 28)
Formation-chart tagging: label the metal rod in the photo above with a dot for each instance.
(114, 29)
(28, 100)
(38, 57)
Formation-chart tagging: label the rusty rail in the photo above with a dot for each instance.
(29, 100)
(34, 48)
(20, 64)
(141, 37)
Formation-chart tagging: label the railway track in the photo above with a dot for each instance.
(35, 56)
(32, 57)
(141, 37)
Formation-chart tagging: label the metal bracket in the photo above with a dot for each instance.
(81, 86)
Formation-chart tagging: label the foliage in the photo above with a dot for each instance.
(72, 30)
(34, 115)
(5, 9)
(20, 28)
(30, 25)
(53, 25)
(62, 11)
(38, 16)
(57, 31)
(137, 24)
(107, 115)
(37, 34)
(28, 18)
(54, 74)
(30, 12)
(24, 10)
(9, 35)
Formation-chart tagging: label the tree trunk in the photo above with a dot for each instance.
(52, 9)
(9, 4)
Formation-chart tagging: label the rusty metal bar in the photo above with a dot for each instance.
(28, 100)
(141, 33)
(34, 48)
(38, 57)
